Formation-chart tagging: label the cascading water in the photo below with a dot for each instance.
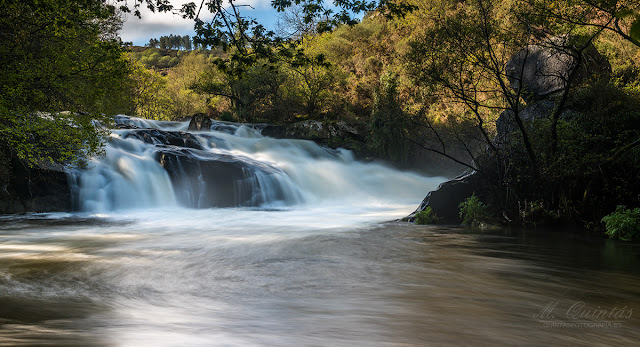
(157, 164)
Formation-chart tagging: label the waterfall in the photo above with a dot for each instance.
(151, 164)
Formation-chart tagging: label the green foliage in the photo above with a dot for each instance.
(249, 86)
(227, 116)
(426, 216)
(623, 224)
(149, 94)
(170, 96)
(388, 122)
(634, 31)
(157, 59)
(61, 68)
(473, 212)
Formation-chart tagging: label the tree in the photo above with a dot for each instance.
(247, 85)
(293, 24)
(462, 61)
(619, 16)
(153, 43)
(62, 68)
(183, 101)
(186, 42)
(148, 93)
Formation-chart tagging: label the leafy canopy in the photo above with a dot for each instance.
(61, 68)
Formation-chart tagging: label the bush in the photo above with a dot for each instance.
(473, 212)
(426, 216)
(227, 116)
(623, 224)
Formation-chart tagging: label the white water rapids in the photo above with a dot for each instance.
(311, 177)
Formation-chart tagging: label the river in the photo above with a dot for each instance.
(319, 262)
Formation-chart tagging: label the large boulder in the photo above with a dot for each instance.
(445, 200)
(44, 188)
(200, 122)
(202, 179)
(163, 137)
(544, 68)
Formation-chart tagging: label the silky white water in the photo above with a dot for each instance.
(128, 176)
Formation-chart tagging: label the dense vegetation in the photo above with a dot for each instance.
(59, 73)
(424, 77)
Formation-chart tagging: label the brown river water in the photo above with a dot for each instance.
(308, 277)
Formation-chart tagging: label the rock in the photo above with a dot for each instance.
(39, 189)
(334, 134)
(199, 122)
(156, 136)
(445, 200)
(540, 110)
(127, 122)
(227, 127)
(506, 123)
(203, 179)
(544, 68)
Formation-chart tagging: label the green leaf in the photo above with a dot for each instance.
(624, 13)
(634, 32)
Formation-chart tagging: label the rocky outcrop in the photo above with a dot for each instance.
(203, 179)
(445, 200)
(35, 189)
(544, 68)
(331, 134)
(162, 137)
(200, 122)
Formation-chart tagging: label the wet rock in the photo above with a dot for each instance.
(44, 188)
(330, 134)
(445, 200)
(200, 122)
(203, 179)
(161, 137)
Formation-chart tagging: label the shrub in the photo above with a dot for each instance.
(227, 116)
(473, 211)
(426, 216)
(623, 224)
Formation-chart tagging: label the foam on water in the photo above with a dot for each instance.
(129, 177)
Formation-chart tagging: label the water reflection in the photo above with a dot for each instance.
(99, 281)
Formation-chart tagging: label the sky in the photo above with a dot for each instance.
(154, 25)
